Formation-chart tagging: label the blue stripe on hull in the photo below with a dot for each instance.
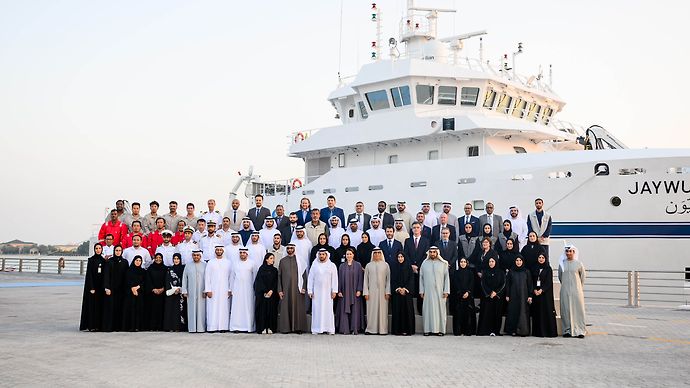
(621, 230)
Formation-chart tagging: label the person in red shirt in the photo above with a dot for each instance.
(178, 237)
(136, 231)
(114, 227)
(156, 238)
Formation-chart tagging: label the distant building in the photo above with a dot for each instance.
(17, 246)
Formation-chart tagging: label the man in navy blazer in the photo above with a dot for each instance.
(468, 218)
(415, 249)
(390, 246)
(304, 212)
(331, 210)
(426, 231)
(259, 213)
(436, 231)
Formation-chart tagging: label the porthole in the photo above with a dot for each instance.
(616, 201)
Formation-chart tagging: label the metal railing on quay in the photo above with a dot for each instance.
(629, 288)
(47, 265)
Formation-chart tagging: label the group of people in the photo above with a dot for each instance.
(263, 271)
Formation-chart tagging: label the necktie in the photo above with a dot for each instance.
(445, 244)
(358, 220)
(257, 212)
(234, 216)
(293, 229)
(467, 219)
(390, 245)
(416, 242)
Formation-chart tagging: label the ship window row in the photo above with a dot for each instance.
(425, 94)
(517, 107)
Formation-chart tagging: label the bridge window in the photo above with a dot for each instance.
(469, 96)
(504, 104)
(392, 159)
(533, 111)
(378, 100)
(341, 160)
(447, 95)
(432, 155)
(472, 151)
(401, 95)
(425, 94)
(489, 99)
(351, 113)
(362, 110)
(519, 110)
(548, 112)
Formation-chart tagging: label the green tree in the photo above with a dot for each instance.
(83, 249)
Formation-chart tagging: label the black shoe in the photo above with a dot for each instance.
(566, 335)
(581, 336)
(440, 334)
(427, 334)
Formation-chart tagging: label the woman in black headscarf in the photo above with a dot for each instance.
(133, 308)
(488, 232)
(339, 256)
(507, 233)
(402, 284)
(519, 297)
(364, 250)
(464, 316)
(543, 311)
(322, 242)
(175, 318)
(506, 257)
(92, 299)
(493, 285)
(531, 251)
(115, 285)
(266, 293)
(155, 291)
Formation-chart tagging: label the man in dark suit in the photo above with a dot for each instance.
(448, 247)
(363, 219)
(390, 247)
(259, 213)
(331, 210)
(288, 230)
(468, 218)
(280, 218)
(415, 249)
(492, 219)
(304, 211)
(426, 231)
(438, 230)
(386, 217)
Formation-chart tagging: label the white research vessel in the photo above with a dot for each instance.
(428, 124)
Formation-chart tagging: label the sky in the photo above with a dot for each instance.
(168, 99)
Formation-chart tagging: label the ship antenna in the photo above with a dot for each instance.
(340, 44)
(550, 76)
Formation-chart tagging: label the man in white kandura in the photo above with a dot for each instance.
(322, 286)
(242, 292)
(217, 289)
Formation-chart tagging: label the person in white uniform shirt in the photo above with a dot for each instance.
(187, 246)
(137, 250)
(166, 249)
(209, 241)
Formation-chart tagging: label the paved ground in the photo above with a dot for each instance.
(41, 346)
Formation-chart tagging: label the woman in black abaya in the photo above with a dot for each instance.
(402, 284)
(543, 311)
(519, 297)
(464, 316)
(364, 250)
(133, 308)
(531, 251)
(175, 305)
(266, 293)
(493, 286)
(155, 293)
(115, 285)
(92, 299)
